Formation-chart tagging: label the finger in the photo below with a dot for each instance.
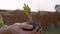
(35, 29)
(40, 31)
(32, 32)
(39, 28)
(23, 25)
(17, 25)
(27, 26)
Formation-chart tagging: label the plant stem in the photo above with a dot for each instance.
(30, 19)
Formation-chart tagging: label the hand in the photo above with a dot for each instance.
(17, 28)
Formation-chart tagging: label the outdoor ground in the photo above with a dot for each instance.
(48, 31)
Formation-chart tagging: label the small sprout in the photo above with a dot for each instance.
(27, 11)
(31, 22)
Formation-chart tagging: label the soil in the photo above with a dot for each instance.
(34, 26)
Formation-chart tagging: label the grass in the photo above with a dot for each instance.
(48, 31)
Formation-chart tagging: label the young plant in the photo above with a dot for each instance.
(27, 10)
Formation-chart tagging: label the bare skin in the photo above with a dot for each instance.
(17, 28)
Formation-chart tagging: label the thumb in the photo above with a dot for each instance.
(27, 26)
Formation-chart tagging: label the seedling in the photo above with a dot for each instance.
(27, 10)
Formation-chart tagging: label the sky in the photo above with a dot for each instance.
(35, 5)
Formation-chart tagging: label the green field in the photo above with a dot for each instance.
(48, 31)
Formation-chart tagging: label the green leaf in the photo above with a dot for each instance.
(26, 9)
(1, 21)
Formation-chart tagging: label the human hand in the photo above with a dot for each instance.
(17, 28)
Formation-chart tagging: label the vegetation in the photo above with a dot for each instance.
(27, 11)
(1, 21)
